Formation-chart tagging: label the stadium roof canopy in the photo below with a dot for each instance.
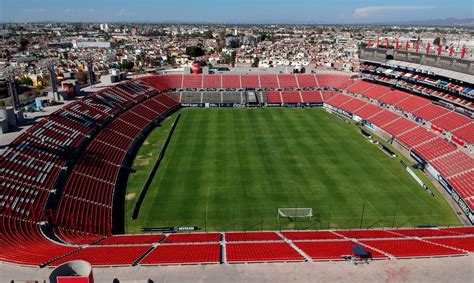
(438, 71)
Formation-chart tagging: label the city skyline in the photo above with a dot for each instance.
(244, 11)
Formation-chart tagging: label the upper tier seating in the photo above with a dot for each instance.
(193, 81)
(288, 80)
(333, 81)
(307, 80)
(269, 81)
(250, 81)
(231, 81)
(212, 81)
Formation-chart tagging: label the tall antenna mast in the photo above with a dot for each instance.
(50, 65)
(88, 58)
(10, 73)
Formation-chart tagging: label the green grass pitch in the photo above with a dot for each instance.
(231, 169)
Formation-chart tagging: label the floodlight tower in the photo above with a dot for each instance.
(10, 73)
(88, 58)
(50, 65)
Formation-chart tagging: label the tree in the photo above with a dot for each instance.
(234, 43)
(127, 65)
(23, 44)
(26, 81)
(82, 77)
(437, 41)
(208, 34)
(194, 51)
(256, 62)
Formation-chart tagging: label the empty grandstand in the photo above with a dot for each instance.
(63, 179)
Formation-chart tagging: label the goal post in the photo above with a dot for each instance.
(299, 212)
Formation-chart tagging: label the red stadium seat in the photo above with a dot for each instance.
(255, 252)
(193, 238)
(332, 250)
(183, 254)
(251, 236)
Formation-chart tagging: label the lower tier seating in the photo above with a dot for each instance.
(421, 232)
(193, 238)
(182, 254)
(368, 234)
(131, 240)
(332, 250)
(410, 248)
(255, 252)
(312, 235)
(22, 242)
(251, 236)
(311, 96)
(105, 256)
(463, 243)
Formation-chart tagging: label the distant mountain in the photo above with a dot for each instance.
(440, 22)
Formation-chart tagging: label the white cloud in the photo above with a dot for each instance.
(378, 11)
(122, 13)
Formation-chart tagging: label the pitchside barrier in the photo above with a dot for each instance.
(302, 217)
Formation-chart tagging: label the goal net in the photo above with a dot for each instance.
(295, 212)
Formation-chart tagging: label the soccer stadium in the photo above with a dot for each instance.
(250, 167)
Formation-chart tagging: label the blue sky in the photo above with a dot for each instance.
(260, 11)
